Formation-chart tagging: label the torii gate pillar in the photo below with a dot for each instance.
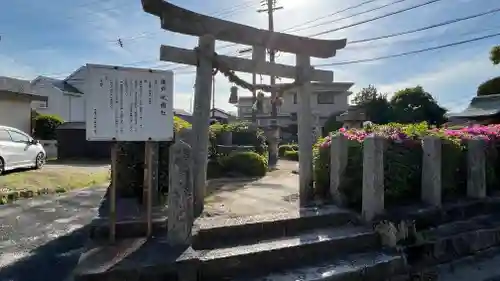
(201, 115)
(305, 131)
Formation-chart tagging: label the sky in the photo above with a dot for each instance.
(56, 37)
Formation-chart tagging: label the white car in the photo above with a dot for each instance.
(19, 150)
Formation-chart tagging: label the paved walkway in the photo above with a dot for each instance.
(41, 239)
(276, 192)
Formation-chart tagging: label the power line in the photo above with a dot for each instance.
(424, 28)
(354, 47)
(411, 52)
(365, 21)
(330, 15)
(351, 16)
(225, 13)
(376, 18)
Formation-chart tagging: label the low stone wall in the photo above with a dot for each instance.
(50, 147)
(373, 191)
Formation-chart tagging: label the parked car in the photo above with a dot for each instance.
(19, 150)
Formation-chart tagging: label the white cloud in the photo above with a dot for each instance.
(101, 26)
(448, 75)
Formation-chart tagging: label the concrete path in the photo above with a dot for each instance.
(41, 239)
(276, 192)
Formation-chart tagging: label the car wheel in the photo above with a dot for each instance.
(40, 160)
(2, 166)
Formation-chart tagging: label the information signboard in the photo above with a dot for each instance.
(128, 104)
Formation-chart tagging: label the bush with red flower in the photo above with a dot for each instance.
(403, 160)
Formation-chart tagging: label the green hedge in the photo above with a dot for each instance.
(287, 147)
(245, 163)
(403, 163)
(45, 126)
(292, 155)
(131, 157)
(130, 164)
(242, 134)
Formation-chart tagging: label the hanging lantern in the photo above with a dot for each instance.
(260, 102)
(278, 101)
(233, 98)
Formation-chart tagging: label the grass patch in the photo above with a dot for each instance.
(48, 180)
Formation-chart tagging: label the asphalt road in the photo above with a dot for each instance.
(41, 239)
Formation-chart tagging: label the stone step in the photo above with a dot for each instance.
(373, 266)
(216, 232)
(455, 240)
(427, 217)
(288, 252)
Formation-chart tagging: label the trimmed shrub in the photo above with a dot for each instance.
(292, 155)
(45, 126)
(403, 162)
(130, 164)
(287, 147)
(242, 134)
(246, 163)
(490, 87)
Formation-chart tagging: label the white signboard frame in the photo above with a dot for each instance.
(129, 104)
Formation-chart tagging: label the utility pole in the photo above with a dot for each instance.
(273, 140)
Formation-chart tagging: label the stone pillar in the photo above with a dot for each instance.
(338, 163)
(180, 195)
(431, 171)
(305, 131)
(201, 115)
(373, 177)
(476, 168)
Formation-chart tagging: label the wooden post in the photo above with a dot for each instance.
(149, 167)
(373, 177)
(201, 115)
(305, 130)
(431, 171)
(112, 193)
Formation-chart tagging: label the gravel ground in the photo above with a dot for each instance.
(41, 239)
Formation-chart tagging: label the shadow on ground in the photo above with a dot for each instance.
(79, 163)
(53, 261)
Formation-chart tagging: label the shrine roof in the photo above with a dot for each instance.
(480, 106)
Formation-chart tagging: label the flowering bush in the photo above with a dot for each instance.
(403, 160)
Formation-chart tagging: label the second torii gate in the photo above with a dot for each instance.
(209, 29)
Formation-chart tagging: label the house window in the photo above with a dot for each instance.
(18, 137)
(326, 98)
(40, 104)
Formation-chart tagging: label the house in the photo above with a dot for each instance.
(184, 115)
(63, 99)
(326, 99)
(221, 116)
(481, 110)
(216, 115)
(15, 103)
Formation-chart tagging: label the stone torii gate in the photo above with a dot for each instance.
(209, 29)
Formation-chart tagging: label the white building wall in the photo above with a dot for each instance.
(68, 107)
(17, 114)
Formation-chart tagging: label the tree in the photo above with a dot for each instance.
(495, 55)
(376, 105)
(413, 105)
